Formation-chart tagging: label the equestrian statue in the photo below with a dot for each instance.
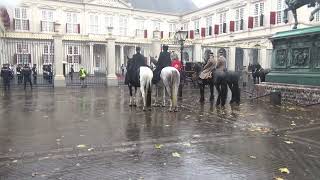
(293, 5)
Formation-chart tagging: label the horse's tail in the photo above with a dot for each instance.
(149, 91)
(175, 82)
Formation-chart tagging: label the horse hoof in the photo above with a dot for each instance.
(144, 109)
(201, 100)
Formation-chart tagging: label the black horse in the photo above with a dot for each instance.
(224, 79)
(258, 73)
(132, 80)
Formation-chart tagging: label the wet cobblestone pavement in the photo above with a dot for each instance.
(92, 134)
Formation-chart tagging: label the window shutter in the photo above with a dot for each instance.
(203, 32)
(28, 25)
(161, 34)
(79, 59)
(29, 58)
(78, 28)
(15, 60)
(261, 20)
(216, 29)
(145, 34)
(191, 34)
(231, 26)
(66, 27)
(250, 22)
(273, 18)
(241, 24)
(14, 24)
(224, 27)
(210, 30)
(41, 26)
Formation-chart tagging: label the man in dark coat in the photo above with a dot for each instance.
(26, 72)
(137, 61)
(163, 61)
(6, 75)
(19, 75)
(34, 73)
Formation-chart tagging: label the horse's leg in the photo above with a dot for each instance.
(219, 94)
(285, 15)
(237, 92)
(230, 85)
(313, 12)
(157, 95)
(130, 91)
(224, 93)
(211, 91)
(294, 12)
(135, 96)
(202, 86)
(143, 94)
(164, 96)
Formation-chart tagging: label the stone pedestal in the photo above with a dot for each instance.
(112, 79)
(295, 58)
(59, 79)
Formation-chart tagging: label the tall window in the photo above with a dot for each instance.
(47, 22)
(185, 26)
(21, 21)
(48, 52)
(222, 22)
(123, 25)
(197, 26)
(239, 19)
(23, 55)
(108, 21)
(73, 55)
(258, 11)
(172, 29)
(208, 25)
(94, 24)
(140, 28)
(317, 15)
(281, 6)
(72, 23)
(156, 25)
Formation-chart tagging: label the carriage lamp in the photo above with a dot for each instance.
(180, 37)
(110, 29)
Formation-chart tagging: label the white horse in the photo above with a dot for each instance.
(146, 76)
(170, 77)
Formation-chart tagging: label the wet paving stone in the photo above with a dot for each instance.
(93, 134)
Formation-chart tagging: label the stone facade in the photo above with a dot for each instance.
(297, 94)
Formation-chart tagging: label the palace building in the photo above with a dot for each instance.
(100, 34)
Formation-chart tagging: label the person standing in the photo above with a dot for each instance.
(163, 61)
(6, 75)
(50, 73)
(19, 74)
(122, 69)
(71, 73)
(26, 72)
(82, 75)
(34, 73)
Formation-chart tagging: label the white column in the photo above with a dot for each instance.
(197, 53)
(156, 47)
(263, 58)
(246, 57)
(111, 65)
(59, 79)
(231, 61)
(91, 70)
(121, 54)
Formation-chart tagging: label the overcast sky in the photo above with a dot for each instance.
(202, 3)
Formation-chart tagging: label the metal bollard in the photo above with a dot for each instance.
(275, 97)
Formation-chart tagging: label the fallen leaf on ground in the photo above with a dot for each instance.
(15, 161)
(43, 158)
(175, 154)
(288, 142)
(34, 174)
(81, 146)
(90, 149)
(186, 144)
(284, 170)
(293, 123)
(158, 146)
(278, 178)
(253, 157)
(58, 140)
(167, 125)
(78, 164)
(196, 136)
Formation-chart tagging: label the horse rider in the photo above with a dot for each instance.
(138, 60)
(163, 61)
(6, 75)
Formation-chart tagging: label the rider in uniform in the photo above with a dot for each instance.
(138, 60)
(164, 61)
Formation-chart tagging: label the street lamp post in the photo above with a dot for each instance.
(180, 37)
